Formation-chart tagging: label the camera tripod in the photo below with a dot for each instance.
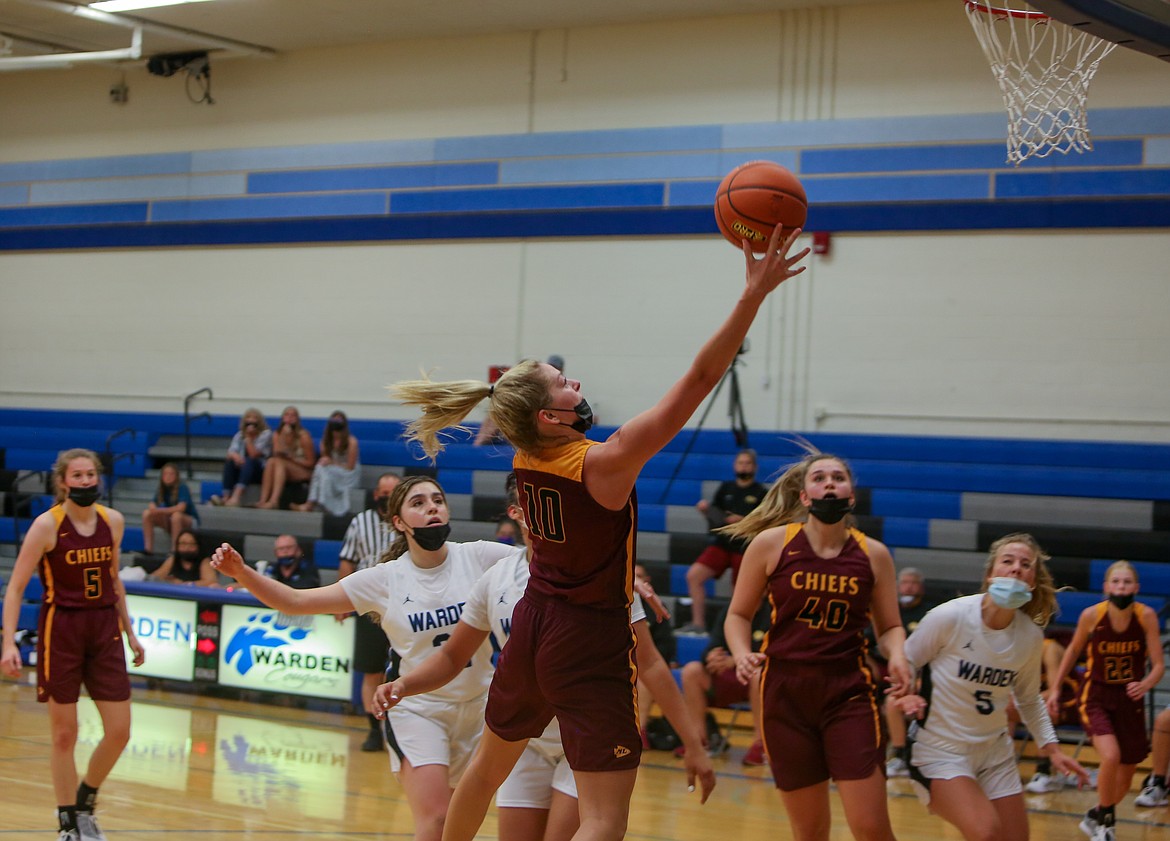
(736, 418)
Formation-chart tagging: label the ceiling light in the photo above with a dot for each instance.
(131, 5)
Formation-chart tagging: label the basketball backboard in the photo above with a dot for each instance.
(1142, 25)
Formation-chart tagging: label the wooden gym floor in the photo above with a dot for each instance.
(208, 768)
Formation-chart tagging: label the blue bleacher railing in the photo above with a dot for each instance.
(110, 459)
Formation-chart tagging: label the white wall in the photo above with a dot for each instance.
(1056, 334)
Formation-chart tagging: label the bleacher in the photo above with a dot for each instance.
(937, 502)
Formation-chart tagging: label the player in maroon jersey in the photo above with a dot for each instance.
(1122, 635)
(572, 652)
(824, 579)
(74, 546)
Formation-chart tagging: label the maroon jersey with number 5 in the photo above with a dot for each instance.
(582, 552)
(79, 571)
(820, 606)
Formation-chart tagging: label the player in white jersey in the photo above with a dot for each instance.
(981, 651)
(419, 598)
(538, 801)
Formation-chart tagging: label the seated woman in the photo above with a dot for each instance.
(293, 458)
(338, 469)
(187, 565)
(246, 457)
(172, 508)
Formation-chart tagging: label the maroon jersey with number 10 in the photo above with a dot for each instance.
(79, 571)
(582, 552)
(820, 606)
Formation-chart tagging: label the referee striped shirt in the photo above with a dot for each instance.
(366, 539)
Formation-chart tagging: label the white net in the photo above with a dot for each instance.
(1043, 68)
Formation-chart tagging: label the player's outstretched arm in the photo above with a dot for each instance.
(278, 596)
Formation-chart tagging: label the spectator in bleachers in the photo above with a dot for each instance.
(75, 545)
(912, 606)
(172, 508)
(732, 501)
(712, 682)
(293, 458)
(291, 567)
(1122, 636)
(337, 470)
(666, 645)
(507, 530)
(246, 456)
(187, 565)
(367, 538)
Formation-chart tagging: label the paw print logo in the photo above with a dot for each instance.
(261, 631)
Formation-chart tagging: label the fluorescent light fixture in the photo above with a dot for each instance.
(131, 5)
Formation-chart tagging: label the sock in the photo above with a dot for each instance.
(1157, 780)
(67, 817)
(902, 752)
(86, 797)
(1106, 815)
(374, 723)
(1044, 766)
(1094, 814)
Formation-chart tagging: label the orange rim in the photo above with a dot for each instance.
(1022, 14)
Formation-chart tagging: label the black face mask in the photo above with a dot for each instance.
(336, 424)
(1121, 602)
(85, 497)
(830, 510)
(746, 476)
(432, 538)
(188, 557)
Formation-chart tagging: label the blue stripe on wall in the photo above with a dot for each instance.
(73, 214)
(265, 207)
(374, 178)
(959, 156)
(885, 188)
(528, 198)
(325, 154)
(173, 186)
(619, 141)
(13, 194)
(692, 193)
(1133, 182)
(122, 166)
(922, 216)
(611, 168)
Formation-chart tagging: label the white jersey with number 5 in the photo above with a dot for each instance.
(419, 609)
(973, 671)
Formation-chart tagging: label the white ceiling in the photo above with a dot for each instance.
(45, 26)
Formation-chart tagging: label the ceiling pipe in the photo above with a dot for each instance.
(201, 38)
(61, 61)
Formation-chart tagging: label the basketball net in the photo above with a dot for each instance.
(1043, 68)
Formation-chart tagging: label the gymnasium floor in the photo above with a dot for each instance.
(209, 768)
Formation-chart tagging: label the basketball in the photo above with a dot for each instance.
(756, 197)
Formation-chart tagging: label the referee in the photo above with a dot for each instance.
(367, 538)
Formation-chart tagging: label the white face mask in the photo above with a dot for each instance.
(1009, 593)
(906, 601)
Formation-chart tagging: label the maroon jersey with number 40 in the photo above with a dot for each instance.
(820, 606)
(79, 571)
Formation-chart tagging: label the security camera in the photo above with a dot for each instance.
(168, 64)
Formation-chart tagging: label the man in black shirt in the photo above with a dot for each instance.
(731, 502)
(291, 567)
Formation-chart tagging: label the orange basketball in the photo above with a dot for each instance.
(756, 197)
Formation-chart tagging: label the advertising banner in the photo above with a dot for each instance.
(166, 629)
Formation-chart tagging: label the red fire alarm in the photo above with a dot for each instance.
(822, 242)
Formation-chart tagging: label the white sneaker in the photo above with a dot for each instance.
(1104, 833)
(67, 835)
(897, 767)
(87, 828)
(1044, 783)
(1152, 796)
(1090, 827)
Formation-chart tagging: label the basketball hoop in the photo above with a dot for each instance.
(1043, 68)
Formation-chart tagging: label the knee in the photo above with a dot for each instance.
(694, 674)
(429, 825)
(117, 734)
(606, 827)
(65, 737)
(697, 574)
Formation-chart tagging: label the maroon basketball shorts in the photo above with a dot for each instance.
(81, 646)
(1109, 711)
(576, 663)
(820, 722)
(727, 690)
